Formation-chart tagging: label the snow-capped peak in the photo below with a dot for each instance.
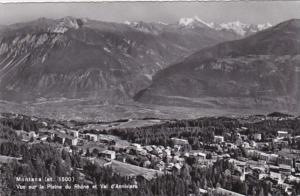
(194, 20)
(236, 26)
(153, 28)
(242, 29)
(264, 26)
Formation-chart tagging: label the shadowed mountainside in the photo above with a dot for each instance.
(261, 70)
(82, 58)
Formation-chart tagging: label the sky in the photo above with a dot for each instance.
(169, 12)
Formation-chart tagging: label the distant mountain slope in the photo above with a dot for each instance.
(261, 70)
(82, 58)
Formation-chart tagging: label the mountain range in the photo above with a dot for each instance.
(188, 63)
(261, 70)
(236, 27)
(82, 58)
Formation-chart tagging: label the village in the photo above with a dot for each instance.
(271, 158)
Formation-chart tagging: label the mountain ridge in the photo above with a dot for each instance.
(237, 27)
(261, 67)
(75, 58)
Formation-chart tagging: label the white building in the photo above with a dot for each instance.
(257, 136)
(75, 133)
(92, 137)
(136, 146)
(282, 134)
(108, 154)
(218, 139)
(178, 141)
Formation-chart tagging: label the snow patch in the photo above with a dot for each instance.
(107, 50)
(162, 23)
(3, 48)
(242, 28)
(44, 58)
(149, 76)
(237, 26)
(60, 29)
(264, 26)
(42, 39)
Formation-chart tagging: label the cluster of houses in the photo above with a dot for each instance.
(156, 156)
(258, 163)
(280, 166)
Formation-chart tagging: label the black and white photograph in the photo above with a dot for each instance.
(156, 98)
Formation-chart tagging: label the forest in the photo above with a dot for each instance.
(204, 129)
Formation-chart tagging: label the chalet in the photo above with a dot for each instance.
(274, 168)
(246, 145)
(161, 147)
(8, 159)
(32, 134)
(159, 167)
(148, 148)
(276, 176)
(282, 134)
(167, 152)
(253, 144)
(49, 133)
(60, 138)
(177, 148)
(285, 160)
(72, 141)
(66, 139)
(285, 169)
(287, 188)
(257, 136)
(98, 161)
(202, 191)
(201, 155)
(237, 162)
(178, 141)
(218, 139)
(136, 147)
(178, 166)
(170, 166)
(108, 154)
(262, 176)
(258, 154)
(142, 152)
(146, 163)
(23, 134)
(186, 154)
(26, 136)
(91, 137)
(103, 162)
(74, 133)
(244, 137)
(273, 158)
(231, 145)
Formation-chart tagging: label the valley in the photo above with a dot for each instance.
(85, 110)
